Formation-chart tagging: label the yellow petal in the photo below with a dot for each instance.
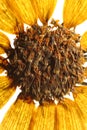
(44, 8)
(4, 42)
(5, 93)
(25, 116)
(4, 82)
(84, 41)
(24, 9)
(1, 51)
(44, 119)
(18, 117)
(75, 12)
(81, 100)
(67, 115)
(70, 116)
(8, 22)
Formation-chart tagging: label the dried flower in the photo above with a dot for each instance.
(44, 65)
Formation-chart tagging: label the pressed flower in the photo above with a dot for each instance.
(42, 67)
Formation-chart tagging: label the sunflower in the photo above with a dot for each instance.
(42, 73)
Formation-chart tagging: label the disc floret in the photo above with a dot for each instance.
(45, 62)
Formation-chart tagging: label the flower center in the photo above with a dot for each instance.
(45, 62)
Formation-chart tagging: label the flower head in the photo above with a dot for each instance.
(44, 65)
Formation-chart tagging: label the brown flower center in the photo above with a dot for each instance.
(45, 62)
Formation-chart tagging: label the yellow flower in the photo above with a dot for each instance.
(23, 115)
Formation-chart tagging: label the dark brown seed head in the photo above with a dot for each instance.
(45, 62)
